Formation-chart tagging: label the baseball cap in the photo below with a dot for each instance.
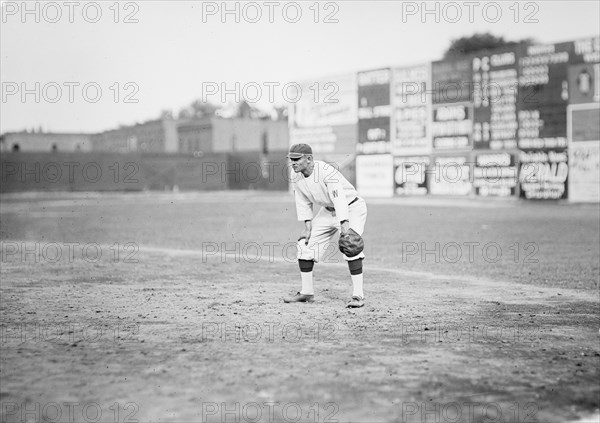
(298, 150)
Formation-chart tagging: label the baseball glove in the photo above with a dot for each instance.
(351, 244)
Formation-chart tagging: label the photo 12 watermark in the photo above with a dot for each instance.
(462, 12)
(319, 92)
(67, 252)
(468, 412)
(252, 12)
(71, 412)
(468, 252)
(70, 333)
(70, 172)
(268, 332)
(466, 333)
(260, 411)
(58, 12)
(53, 92)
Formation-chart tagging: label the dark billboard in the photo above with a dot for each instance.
(374, 112)
(495, 82)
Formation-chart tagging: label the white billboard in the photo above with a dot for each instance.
(584, 152)
(375, 175)
(327, 101)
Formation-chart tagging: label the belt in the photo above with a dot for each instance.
(332, 209)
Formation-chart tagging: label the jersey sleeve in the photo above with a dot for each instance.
(303, 205)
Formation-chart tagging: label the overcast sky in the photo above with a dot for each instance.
(175, 47)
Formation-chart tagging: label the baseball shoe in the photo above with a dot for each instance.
(300, 298)
(356, 302)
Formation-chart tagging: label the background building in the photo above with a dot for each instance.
(153, 136)
(218, 135)
(194, 135)
(44, 142)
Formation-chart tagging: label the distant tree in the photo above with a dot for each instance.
(197, 109)
(282, 112)
(244, 110)
(166, 114)
(200, 109)
(184, 114)
(477, 42)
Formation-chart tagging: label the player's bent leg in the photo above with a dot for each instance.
(321, 238)
(306, 263)
(358, 218)
(358, 296)
(307, 294)
(306, 272)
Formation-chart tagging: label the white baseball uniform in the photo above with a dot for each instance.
(338, 200)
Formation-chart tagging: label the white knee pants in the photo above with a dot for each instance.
(325, 225)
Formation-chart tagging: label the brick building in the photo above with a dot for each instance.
(218, 135)
(40, 142)
(154, 136)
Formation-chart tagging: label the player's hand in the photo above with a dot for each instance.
(306, 235)
(344, 227)
(307, 230)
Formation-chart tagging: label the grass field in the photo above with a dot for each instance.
(167, 307)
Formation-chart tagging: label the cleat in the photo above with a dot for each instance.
(300, 298)
(356, 302)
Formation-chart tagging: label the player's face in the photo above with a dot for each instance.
(300, 164)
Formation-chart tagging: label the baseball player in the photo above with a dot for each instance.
(318, 183)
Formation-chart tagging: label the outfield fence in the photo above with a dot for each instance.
(136, 172)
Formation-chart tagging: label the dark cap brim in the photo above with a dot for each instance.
(294, 155)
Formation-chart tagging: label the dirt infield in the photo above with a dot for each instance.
(167, 307)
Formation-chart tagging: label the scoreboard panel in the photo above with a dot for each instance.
(585, 125)
(495, 174)
(411, 111)
(410, 175)
(543, 174)
(374, 112)
(452, 126)
(451, 175)
(545, 91)
(498, 118)
(584, 83)
(452, 109)
(543, 96)
(495, 79)
(451, 80)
